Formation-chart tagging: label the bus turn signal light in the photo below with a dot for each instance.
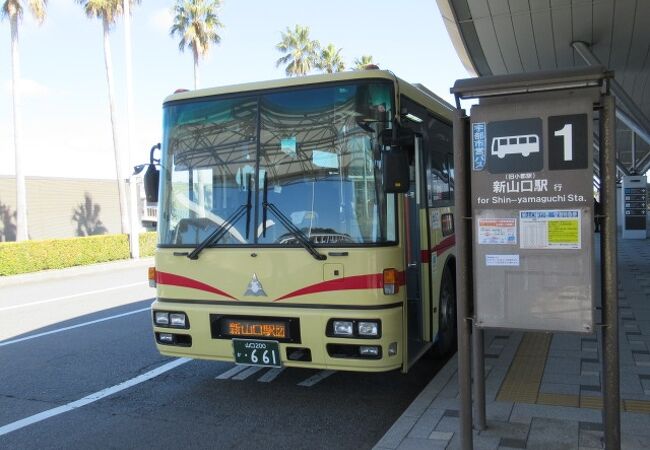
(152, 276)
(391, 285)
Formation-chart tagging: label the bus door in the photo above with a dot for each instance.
(416, 232)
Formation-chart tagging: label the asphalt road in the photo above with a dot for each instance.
(97, 381)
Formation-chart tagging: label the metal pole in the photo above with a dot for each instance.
(619, 164)
(463, 276)
(644, 164)
(478, 369)
(609, 277)
(636, 119)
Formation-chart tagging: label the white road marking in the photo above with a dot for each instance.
(59, 330)
(247, 373)
(229, 373)
(270, 375)
(92, 397)
(316, 378)
(56, 299)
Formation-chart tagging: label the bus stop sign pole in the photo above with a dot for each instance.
(609, 276)
(462, 224)
(523, 216)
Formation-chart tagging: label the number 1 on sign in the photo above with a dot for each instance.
(566, 132)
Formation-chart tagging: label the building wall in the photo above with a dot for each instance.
(61, 207)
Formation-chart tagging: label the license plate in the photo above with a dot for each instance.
(252, 352)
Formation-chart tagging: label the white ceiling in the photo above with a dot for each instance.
(495, 37)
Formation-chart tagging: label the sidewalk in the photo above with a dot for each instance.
(43, 275)
(543, 389)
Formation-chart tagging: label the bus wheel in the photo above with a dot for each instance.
(447, 326)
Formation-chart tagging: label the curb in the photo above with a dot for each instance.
(69, 272)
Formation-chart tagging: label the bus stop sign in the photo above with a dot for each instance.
(532, 207)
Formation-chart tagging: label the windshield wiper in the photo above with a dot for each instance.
(226, 225)
(284, 220)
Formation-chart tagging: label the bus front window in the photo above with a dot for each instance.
(320, 154)
(315, 149)
(208, 165)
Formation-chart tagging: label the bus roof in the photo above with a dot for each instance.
(416, 92)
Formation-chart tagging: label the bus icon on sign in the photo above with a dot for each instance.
(524, 145)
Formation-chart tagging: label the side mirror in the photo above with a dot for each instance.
(152, 177)
(395, 170)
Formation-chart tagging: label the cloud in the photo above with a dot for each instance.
(162, 20)
(30, 88)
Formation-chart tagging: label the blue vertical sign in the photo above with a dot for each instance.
(478, 146)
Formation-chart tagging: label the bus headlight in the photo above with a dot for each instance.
(166, 338)
(177, 320)
(171, 319)
(161, 318)
(343, 328)
(369, 350)
(368, 329)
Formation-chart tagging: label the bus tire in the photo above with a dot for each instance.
(447, 342)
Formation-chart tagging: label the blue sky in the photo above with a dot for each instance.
(66, 128)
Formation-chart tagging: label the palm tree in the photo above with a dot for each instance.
(134, 241)
(300, 51)
(14, 10)
(107, 11)
(330, 59)
(364, 62)
(196, 23)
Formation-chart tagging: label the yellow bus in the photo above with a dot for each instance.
(306, 222)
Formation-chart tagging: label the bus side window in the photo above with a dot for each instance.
(450, 174)
(437, 178)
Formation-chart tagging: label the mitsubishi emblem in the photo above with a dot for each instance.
(255, 287)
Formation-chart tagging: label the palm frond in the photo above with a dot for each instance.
(197, 24)
(301, 52)
(38, 9)
(107, 10)
(11, 8)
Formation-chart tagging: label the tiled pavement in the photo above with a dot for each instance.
(543, 389)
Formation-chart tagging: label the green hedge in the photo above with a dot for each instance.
(32, 256)
(148, 243)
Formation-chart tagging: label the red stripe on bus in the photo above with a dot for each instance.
(443, 246)
(374, 281)
(178, 280)
(425, 256)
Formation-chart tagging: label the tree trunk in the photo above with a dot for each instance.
(21, 191)
(118, 159)
(195, 53)
(134, 216)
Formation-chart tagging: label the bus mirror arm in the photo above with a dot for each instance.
(151, 175)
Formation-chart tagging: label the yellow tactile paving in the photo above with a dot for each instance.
(640, 406)
(558, 399)
(525, 374)
(588, 401)
(524, 377)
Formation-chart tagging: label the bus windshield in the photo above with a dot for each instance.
(310, 158)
